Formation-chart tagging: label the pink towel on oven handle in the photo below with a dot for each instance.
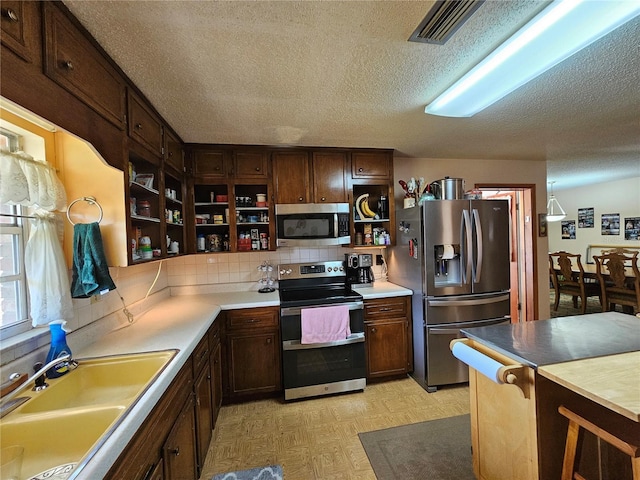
(325, 324)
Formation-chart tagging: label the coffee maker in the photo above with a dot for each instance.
(359, 268)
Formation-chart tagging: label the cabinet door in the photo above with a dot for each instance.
(371, 165)
(202, 388)
(254, 363)
(19, 21)
(179, 450)
(209, 164)
(329, 180)
(386, 348)
(73, 62)
(144, 126)
(291, 177)
(250, 164)
(173, 154)
(216, 383)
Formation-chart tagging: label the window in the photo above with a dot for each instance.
(14, 313)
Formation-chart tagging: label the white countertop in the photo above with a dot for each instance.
(381, 289)
(179, 322)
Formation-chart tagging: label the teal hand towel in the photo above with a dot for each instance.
(90, 271)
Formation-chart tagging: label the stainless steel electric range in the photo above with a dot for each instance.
(312, 369)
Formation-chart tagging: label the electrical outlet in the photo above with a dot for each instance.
(379, 260)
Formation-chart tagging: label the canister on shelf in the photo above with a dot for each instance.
(144, 208)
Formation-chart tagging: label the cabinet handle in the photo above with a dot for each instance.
(323, 199)
(268, 341)
(257, 169)
(217, 169)
(300, 199)
(175, 451)
(68, 65)
(11, 14)
(360, 170)
(138, 126)
(385, 309)
(373, 330)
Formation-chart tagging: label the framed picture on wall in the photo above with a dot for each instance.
(632, 228)
(542, 224)
(610, 224)
(568, 229)
(585, 218)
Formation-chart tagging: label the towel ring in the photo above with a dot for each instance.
(90, 200)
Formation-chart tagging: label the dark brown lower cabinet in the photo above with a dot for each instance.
(203, 412)
(252, 341)
(179, 450)
(173, 441)
(388, 337)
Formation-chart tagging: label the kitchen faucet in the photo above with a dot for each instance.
(10, 403)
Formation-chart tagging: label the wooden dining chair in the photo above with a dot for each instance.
(619, 280)
(567, 276)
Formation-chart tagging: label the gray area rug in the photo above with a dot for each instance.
(434, 450)
(272, 472)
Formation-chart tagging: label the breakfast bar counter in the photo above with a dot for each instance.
(587, 363)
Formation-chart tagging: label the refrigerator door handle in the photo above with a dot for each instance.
(465, 244)
(477, 271)
(462, 303)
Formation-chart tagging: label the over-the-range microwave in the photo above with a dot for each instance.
(312, 224)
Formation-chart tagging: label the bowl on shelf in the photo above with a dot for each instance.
(261, 204)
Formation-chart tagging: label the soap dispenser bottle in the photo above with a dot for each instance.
(59, 348)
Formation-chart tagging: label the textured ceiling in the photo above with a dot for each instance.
(338, 73)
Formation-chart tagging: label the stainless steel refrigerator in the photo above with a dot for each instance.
(454, 255)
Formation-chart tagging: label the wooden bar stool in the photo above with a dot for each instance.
(576, 422)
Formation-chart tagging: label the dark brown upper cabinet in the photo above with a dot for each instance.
(209, 164)
(74, 63)
(378, 165)
(145, 126)
(173, 152)
(20, 22)
(247, 164)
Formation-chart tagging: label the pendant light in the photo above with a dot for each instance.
(555, 213)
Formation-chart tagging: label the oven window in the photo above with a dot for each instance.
(317, 366)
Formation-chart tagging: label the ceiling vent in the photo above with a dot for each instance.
(442, 21)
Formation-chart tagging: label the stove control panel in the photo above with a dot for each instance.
(311, 270)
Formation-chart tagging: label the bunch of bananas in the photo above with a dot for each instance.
(363, 209)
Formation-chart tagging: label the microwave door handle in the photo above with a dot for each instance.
(478, 227)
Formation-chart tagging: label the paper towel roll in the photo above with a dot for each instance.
(448, 252)
(477, 360)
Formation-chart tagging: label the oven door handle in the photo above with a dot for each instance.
(296, 345)
(292, 311)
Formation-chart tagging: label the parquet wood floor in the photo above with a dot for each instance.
(318, 438)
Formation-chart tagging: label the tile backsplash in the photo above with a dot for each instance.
(93, 317)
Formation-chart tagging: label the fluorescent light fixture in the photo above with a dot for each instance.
(562, 29)
(555, 213)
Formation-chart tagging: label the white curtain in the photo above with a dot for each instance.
(33, 183)
(47, 273)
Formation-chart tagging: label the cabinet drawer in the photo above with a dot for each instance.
(200, 355)
(144, 126)
(385, 308)
(252, 318)
(214, 334)
(371, 165)
(73, 62)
